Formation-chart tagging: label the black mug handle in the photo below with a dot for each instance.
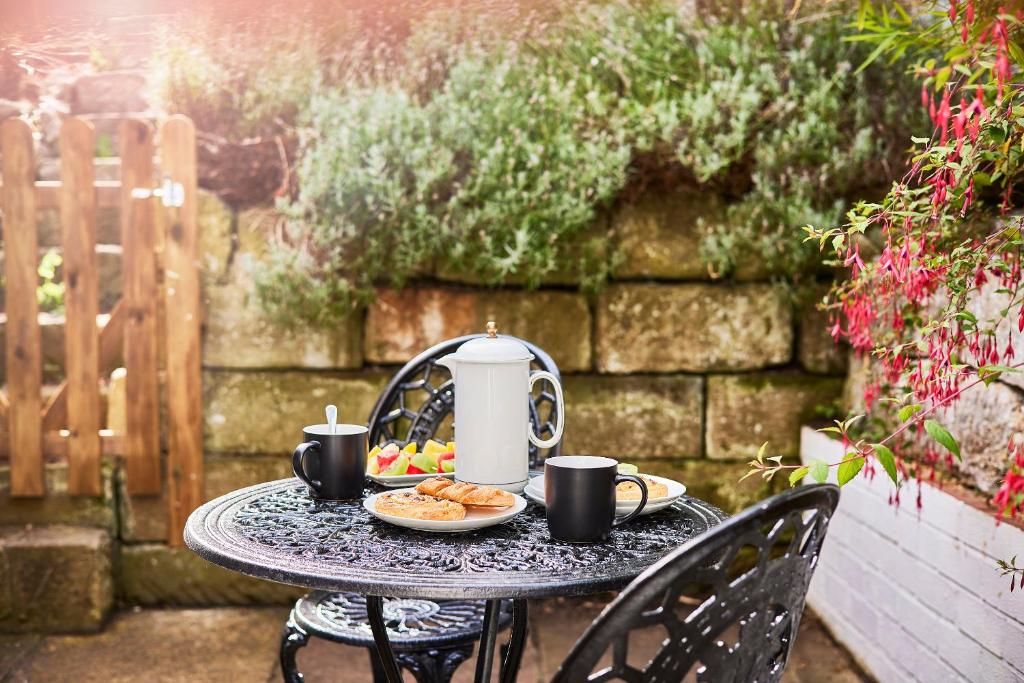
(298, 467)
(643, 497)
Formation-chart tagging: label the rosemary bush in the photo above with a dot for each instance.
(492, 155)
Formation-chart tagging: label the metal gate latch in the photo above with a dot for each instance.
(170, 192)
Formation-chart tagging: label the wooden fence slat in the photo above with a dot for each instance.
(183, 317)
(111, 336)
(142, 441)
(24, 369)
(81, 304)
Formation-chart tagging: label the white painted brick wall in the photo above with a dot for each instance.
(914, 594)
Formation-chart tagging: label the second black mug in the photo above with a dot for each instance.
(332, 464)
(579, 492)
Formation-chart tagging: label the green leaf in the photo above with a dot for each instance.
(942, 435)
(848, 469)
(760, 452)
(798, 474)
(818, 470)
(907, 411)
(888, 460)
(990, 373)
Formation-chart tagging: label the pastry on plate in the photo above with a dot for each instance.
(627, 490)
(419, 506)
(467, 494)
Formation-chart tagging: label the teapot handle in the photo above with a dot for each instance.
(559, 408)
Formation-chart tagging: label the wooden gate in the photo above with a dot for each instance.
(158, 317)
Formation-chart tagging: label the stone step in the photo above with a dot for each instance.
(55, 579)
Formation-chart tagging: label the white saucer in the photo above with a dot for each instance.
(535, 492)
(476, 517)
(402, 480)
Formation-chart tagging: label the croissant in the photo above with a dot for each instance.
(467, 494)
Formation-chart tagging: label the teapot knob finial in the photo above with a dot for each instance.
(492, 329)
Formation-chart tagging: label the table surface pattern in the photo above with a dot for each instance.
(277, 531)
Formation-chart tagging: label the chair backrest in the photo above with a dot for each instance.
(419, 401)
(725, 607)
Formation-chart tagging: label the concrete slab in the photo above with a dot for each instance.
(170, 646)
(240, 644)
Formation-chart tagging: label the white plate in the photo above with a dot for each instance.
(535, 492)
(404, 479)
(476, 517)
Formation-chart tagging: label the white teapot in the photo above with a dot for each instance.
(492, 420)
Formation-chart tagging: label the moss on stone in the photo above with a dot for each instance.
(744, 411)
(58, 506)
(155, 574)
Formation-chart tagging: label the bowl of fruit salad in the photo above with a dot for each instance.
(391, 465)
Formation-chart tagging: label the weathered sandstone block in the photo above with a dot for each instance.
(633, 418)
(401, 324)
(217, 241)
(816, 350)
(982, 420)
(54, 579)
(264, 412)
(111, 91)
(144, 518)
(744, 411)
(154, 574)
(692, 327)
(659, 236)
(239, 334)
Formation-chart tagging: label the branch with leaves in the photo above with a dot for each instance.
(911, 415)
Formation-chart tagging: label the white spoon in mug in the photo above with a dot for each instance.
(332, 418)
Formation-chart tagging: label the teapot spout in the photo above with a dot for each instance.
(447, 362)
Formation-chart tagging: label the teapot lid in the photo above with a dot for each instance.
(493, 349)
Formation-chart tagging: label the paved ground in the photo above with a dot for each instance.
(240, 645)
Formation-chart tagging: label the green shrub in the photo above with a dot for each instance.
(493, 156)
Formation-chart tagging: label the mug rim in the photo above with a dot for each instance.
(340, 429)
(581, 462)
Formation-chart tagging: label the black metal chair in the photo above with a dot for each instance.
(723, 608)
(431, 639)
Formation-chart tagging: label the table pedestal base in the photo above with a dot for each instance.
(389, 664)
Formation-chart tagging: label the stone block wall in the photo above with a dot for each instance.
(665, 366)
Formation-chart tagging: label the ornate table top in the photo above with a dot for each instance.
(277, 531)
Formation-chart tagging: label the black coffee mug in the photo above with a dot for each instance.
(332, 464)
(579, 491)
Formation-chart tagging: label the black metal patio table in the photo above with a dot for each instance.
(276, 531)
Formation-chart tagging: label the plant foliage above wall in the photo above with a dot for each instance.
(493, 156)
